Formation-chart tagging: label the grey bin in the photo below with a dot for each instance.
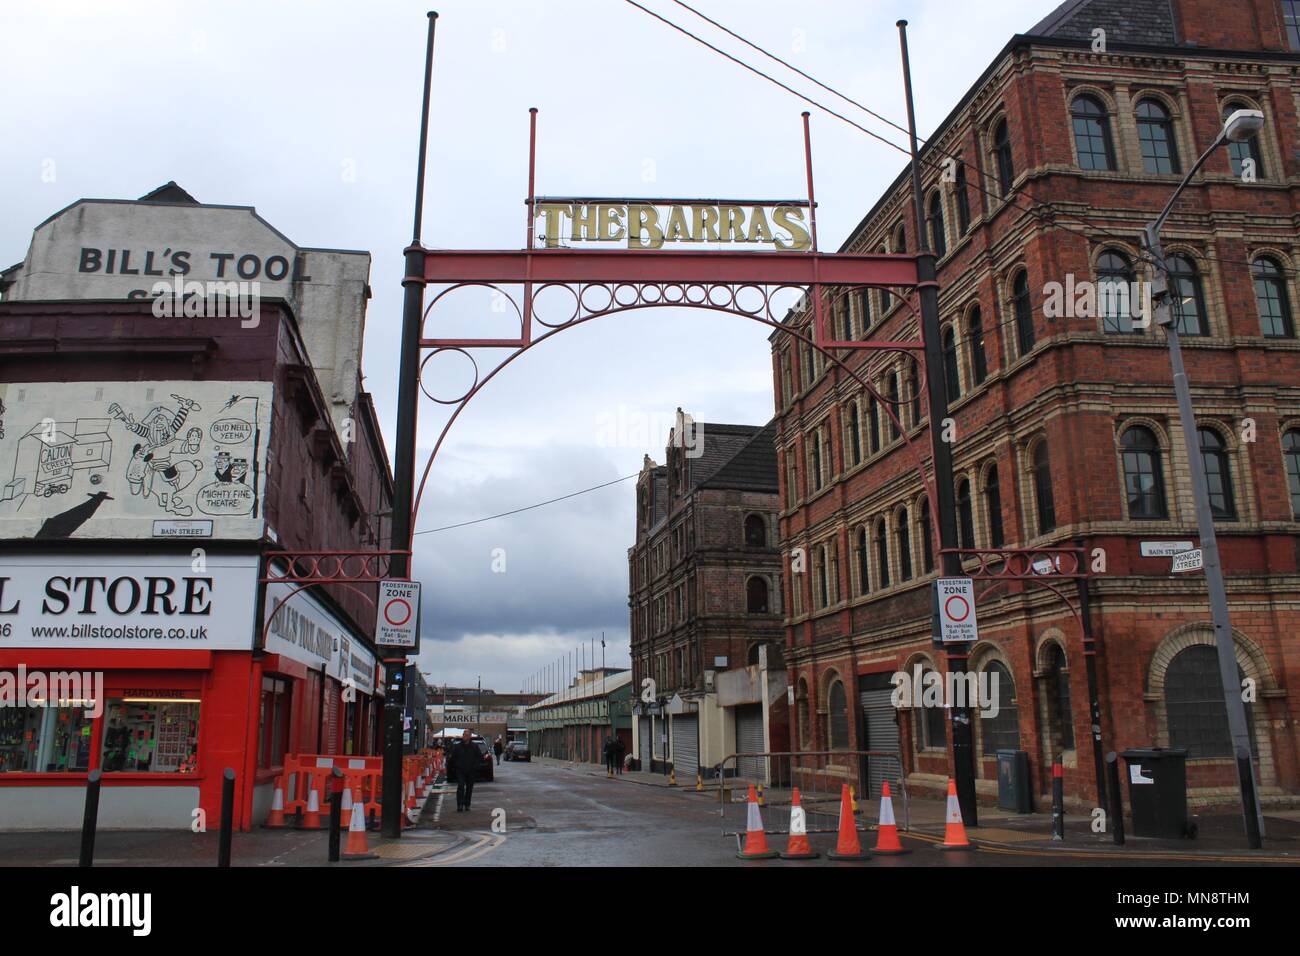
(1015, 791)
(1157, 792)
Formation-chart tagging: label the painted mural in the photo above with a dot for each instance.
(133, 459)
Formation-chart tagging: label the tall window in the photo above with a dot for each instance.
(1218, 477)
(1114, 291)
(1187, 294)
(855, 433)
(1002, 155)
(1291, 458)
(864, 578)
(882, 554)
(1247, 149)
(838, 716)
(978, 358)
(1003, 731)
(904, 547)
(934, 726)
(965, 516)
(1197, 716)
(755, 532)
(1092, 145)
(756, 595)
(1024, 314)
(823, 584)
(951, 378)
(845, 315)
(900, 239)
(927, 535)
(864, 308)
(938, 236)
(801, 715)
(1143, 478)
(1156, 135)
(1291, 16)
(1043, 489)
(1271, 298)
(961, 200)
(892, 395)
(816, 463)
(873, 424)
(993, 503)
(1058, 697)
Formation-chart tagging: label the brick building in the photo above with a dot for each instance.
(705, 599)
(157, 452)
(1066, 427)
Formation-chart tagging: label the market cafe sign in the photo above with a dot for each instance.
(652, 224)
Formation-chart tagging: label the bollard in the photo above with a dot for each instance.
(336, 812)
(1116, 819)
(1058, 801)
(90, 819)
(227, 817)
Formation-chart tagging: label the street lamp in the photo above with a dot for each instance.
(1240, 126)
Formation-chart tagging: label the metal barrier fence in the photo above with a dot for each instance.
(819, 775)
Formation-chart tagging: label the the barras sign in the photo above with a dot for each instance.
(114, 601)
(650, 224)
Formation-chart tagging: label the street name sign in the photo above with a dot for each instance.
(954, 607)
(1188, 561)
(397, 615)
(1164, 549)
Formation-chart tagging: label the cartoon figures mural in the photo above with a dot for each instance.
(152, 468)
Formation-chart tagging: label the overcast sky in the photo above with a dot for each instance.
(310, 112)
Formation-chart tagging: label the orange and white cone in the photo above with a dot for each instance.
(755, 847)
(311, 816)
(847, 847)
(410, 794)
(798, 847)
(275, 819)
(887, 843)
(357, 848)
(954, 834)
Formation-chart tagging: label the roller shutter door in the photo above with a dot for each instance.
(644, 730)
(686, 747)
(882, 734)
(749, 739)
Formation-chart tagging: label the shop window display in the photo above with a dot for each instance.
(44, 740)
(147, 736)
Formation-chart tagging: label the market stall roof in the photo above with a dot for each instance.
(586, 690)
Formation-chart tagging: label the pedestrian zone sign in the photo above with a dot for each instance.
(397, 616)
(954, 609)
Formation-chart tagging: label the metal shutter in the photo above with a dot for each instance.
(686, 747)
(749, 739)
(332, 698)
(882, 734)
(644, 730)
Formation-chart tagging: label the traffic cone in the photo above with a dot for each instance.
(699, 782)
(798, 847)
(275, 819)
(311, 816)
(357, 847)
(672, 777)
(847, 847)
(410, 794)
(954, 834)
(887, 843)
(756, 847)
(346, 797)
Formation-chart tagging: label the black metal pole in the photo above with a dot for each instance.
(408, 392)
(1094, 700)
(336, 812)
(227, 817)
(963, 751)
(1058, 801)
(1115, 815)
(90, 819)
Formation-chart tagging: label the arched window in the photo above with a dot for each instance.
(845, 315)
(882, 555)
(864, 577)
(934, 726)
(1060, 718)
(961, 199)
(927, 537)
(873, 424)
(1043, 497)
(755, 532)
(951, 378)
(855, 433)
(1272, 299)
(817, 460)
(938, 236)
(756, 595)
(965, 516)
(1115, 284)
(993, 505)
(864, 308)
(892, 394)
(904, 547)
(885, 300)
(1218, 475)
(1187, 295)
(978, 358)
(1247, 149)
(823, 578)
(1024, 314)
(1144, 483)
(1194, 707)
(801, 712)
(900, 239)
(1092, 144)
(1000, 732)
(1002, 155)
(838, 714)
(1156, 134)
(1291, 458)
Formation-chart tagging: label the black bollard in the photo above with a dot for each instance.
(1058, 801)
(1116, 818)
(336, 812)
(227, 816)
(90, 819)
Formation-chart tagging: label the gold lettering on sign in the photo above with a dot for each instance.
(647, 226)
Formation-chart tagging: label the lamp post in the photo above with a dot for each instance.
(1240, 126)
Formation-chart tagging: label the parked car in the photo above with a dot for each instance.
(518, 750)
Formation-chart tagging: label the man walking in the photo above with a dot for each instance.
(463, 762)
(620, 751)
(497, 747)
